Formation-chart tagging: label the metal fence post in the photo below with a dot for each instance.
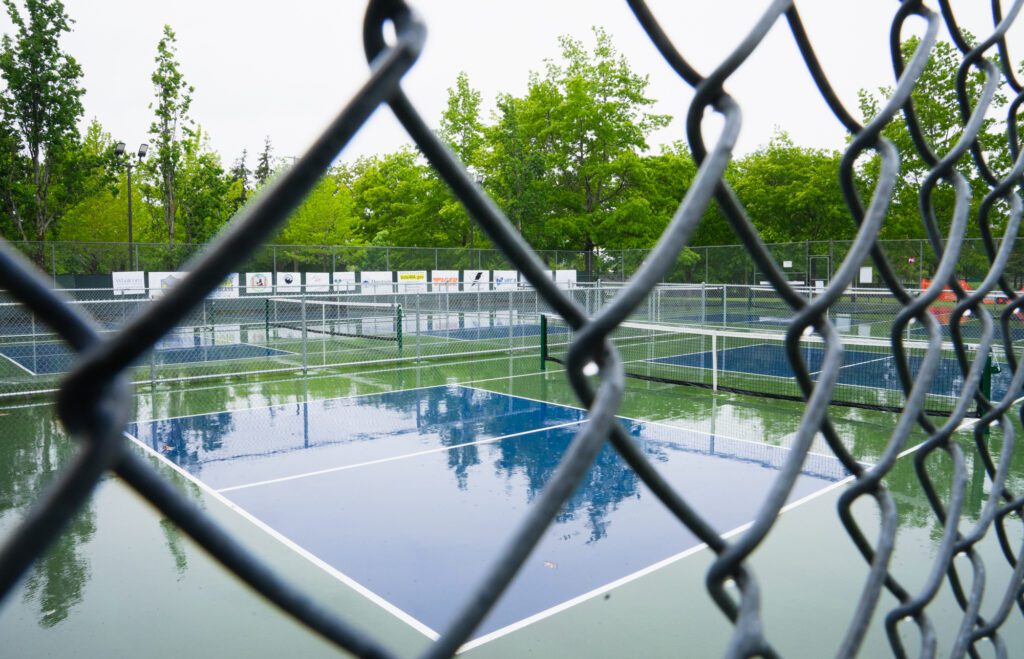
(417, 296)
(305, 334)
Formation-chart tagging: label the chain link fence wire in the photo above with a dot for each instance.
(94, 404)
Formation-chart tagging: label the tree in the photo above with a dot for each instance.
(264, 164)
(326, 217)
(515, 169)
(938, 114)
(792, 193)
(588, 121)
(170, 128)
(240, 187)
(460, 122)
(203, 206)
(39, 112)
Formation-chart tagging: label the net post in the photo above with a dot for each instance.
(714, 362)
(543, 341)
(266, 318)
(986, 383)
(305, 335)
(398, 325)
(417, 328)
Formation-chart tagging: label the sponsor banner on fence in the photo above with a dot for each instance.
(506, 279)
(160, 282)
(376, 282)
(259, 282)
(227, 288)
(565, 278)
(412, 281)
(129, 283)
(344, 282)
(445, 280)
(476, 280)
(318, 282)
(289, 282)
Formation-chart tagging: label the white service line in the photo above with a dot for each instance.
(404, 456)
(660, 424)
(312, 558)
(18, 364)
(558, 608)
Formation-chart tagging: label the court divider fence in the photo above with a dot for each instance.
(94, 401)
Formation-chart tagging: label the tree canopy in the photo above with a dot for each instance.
(568, 160)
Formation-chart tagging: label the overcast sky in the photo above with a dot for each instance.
(283, 69)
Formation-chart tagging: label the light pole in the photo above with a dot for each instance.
(118, 152)
(472, 223)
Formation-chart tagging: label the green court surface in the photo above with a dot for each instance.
(122, 581)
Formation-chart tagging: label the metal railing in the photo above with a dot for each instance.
(94, 400)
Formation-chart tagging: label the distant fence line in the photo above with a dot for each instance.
(88, 264)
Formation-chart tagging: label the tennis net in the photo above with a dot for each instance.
(374, 321)
(755, 363)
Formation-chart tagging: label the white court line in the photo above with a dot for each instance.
(660, 424)
(19, 365)
(869, 361)
(301, 551)
(440, 449)
(558, 608)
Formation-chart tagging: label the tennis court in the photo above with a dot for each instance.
(432, 480)
(48, 358)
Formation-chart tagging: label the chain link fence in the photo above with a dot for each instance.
(89, 265)
(94, 399)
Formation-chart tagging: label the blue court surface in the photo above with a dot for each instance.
(56, 357)
(410, 495)
(860, 368)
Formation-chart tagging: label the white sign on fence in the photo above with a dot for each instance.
(289, 282)
(506, 280)
(259, 282)
(376, 282)
(412, 281)
(129, 283)
(160, 282)
(445, 280)
(565, 278)
(476, 280)
(865, 274)
(344, 281)
(318, 282)
(227, 288)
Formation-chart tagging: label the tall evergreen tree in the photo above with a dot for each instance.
(265, 163)
(241, 186)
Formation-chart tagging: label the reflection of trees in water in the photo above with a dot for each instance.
(185, 443)
(609, 481)
(33, 450)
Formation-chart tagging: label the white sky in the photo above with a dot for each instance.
(283, 69)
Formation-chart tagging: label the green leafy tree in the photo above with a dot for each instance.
(463, 131)
(203, 203)
(938, 114)
(515, 169)
(398, 195)
(40, 106)
(589, 121)
(170, 128)
(326, 217)
(792, 193)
